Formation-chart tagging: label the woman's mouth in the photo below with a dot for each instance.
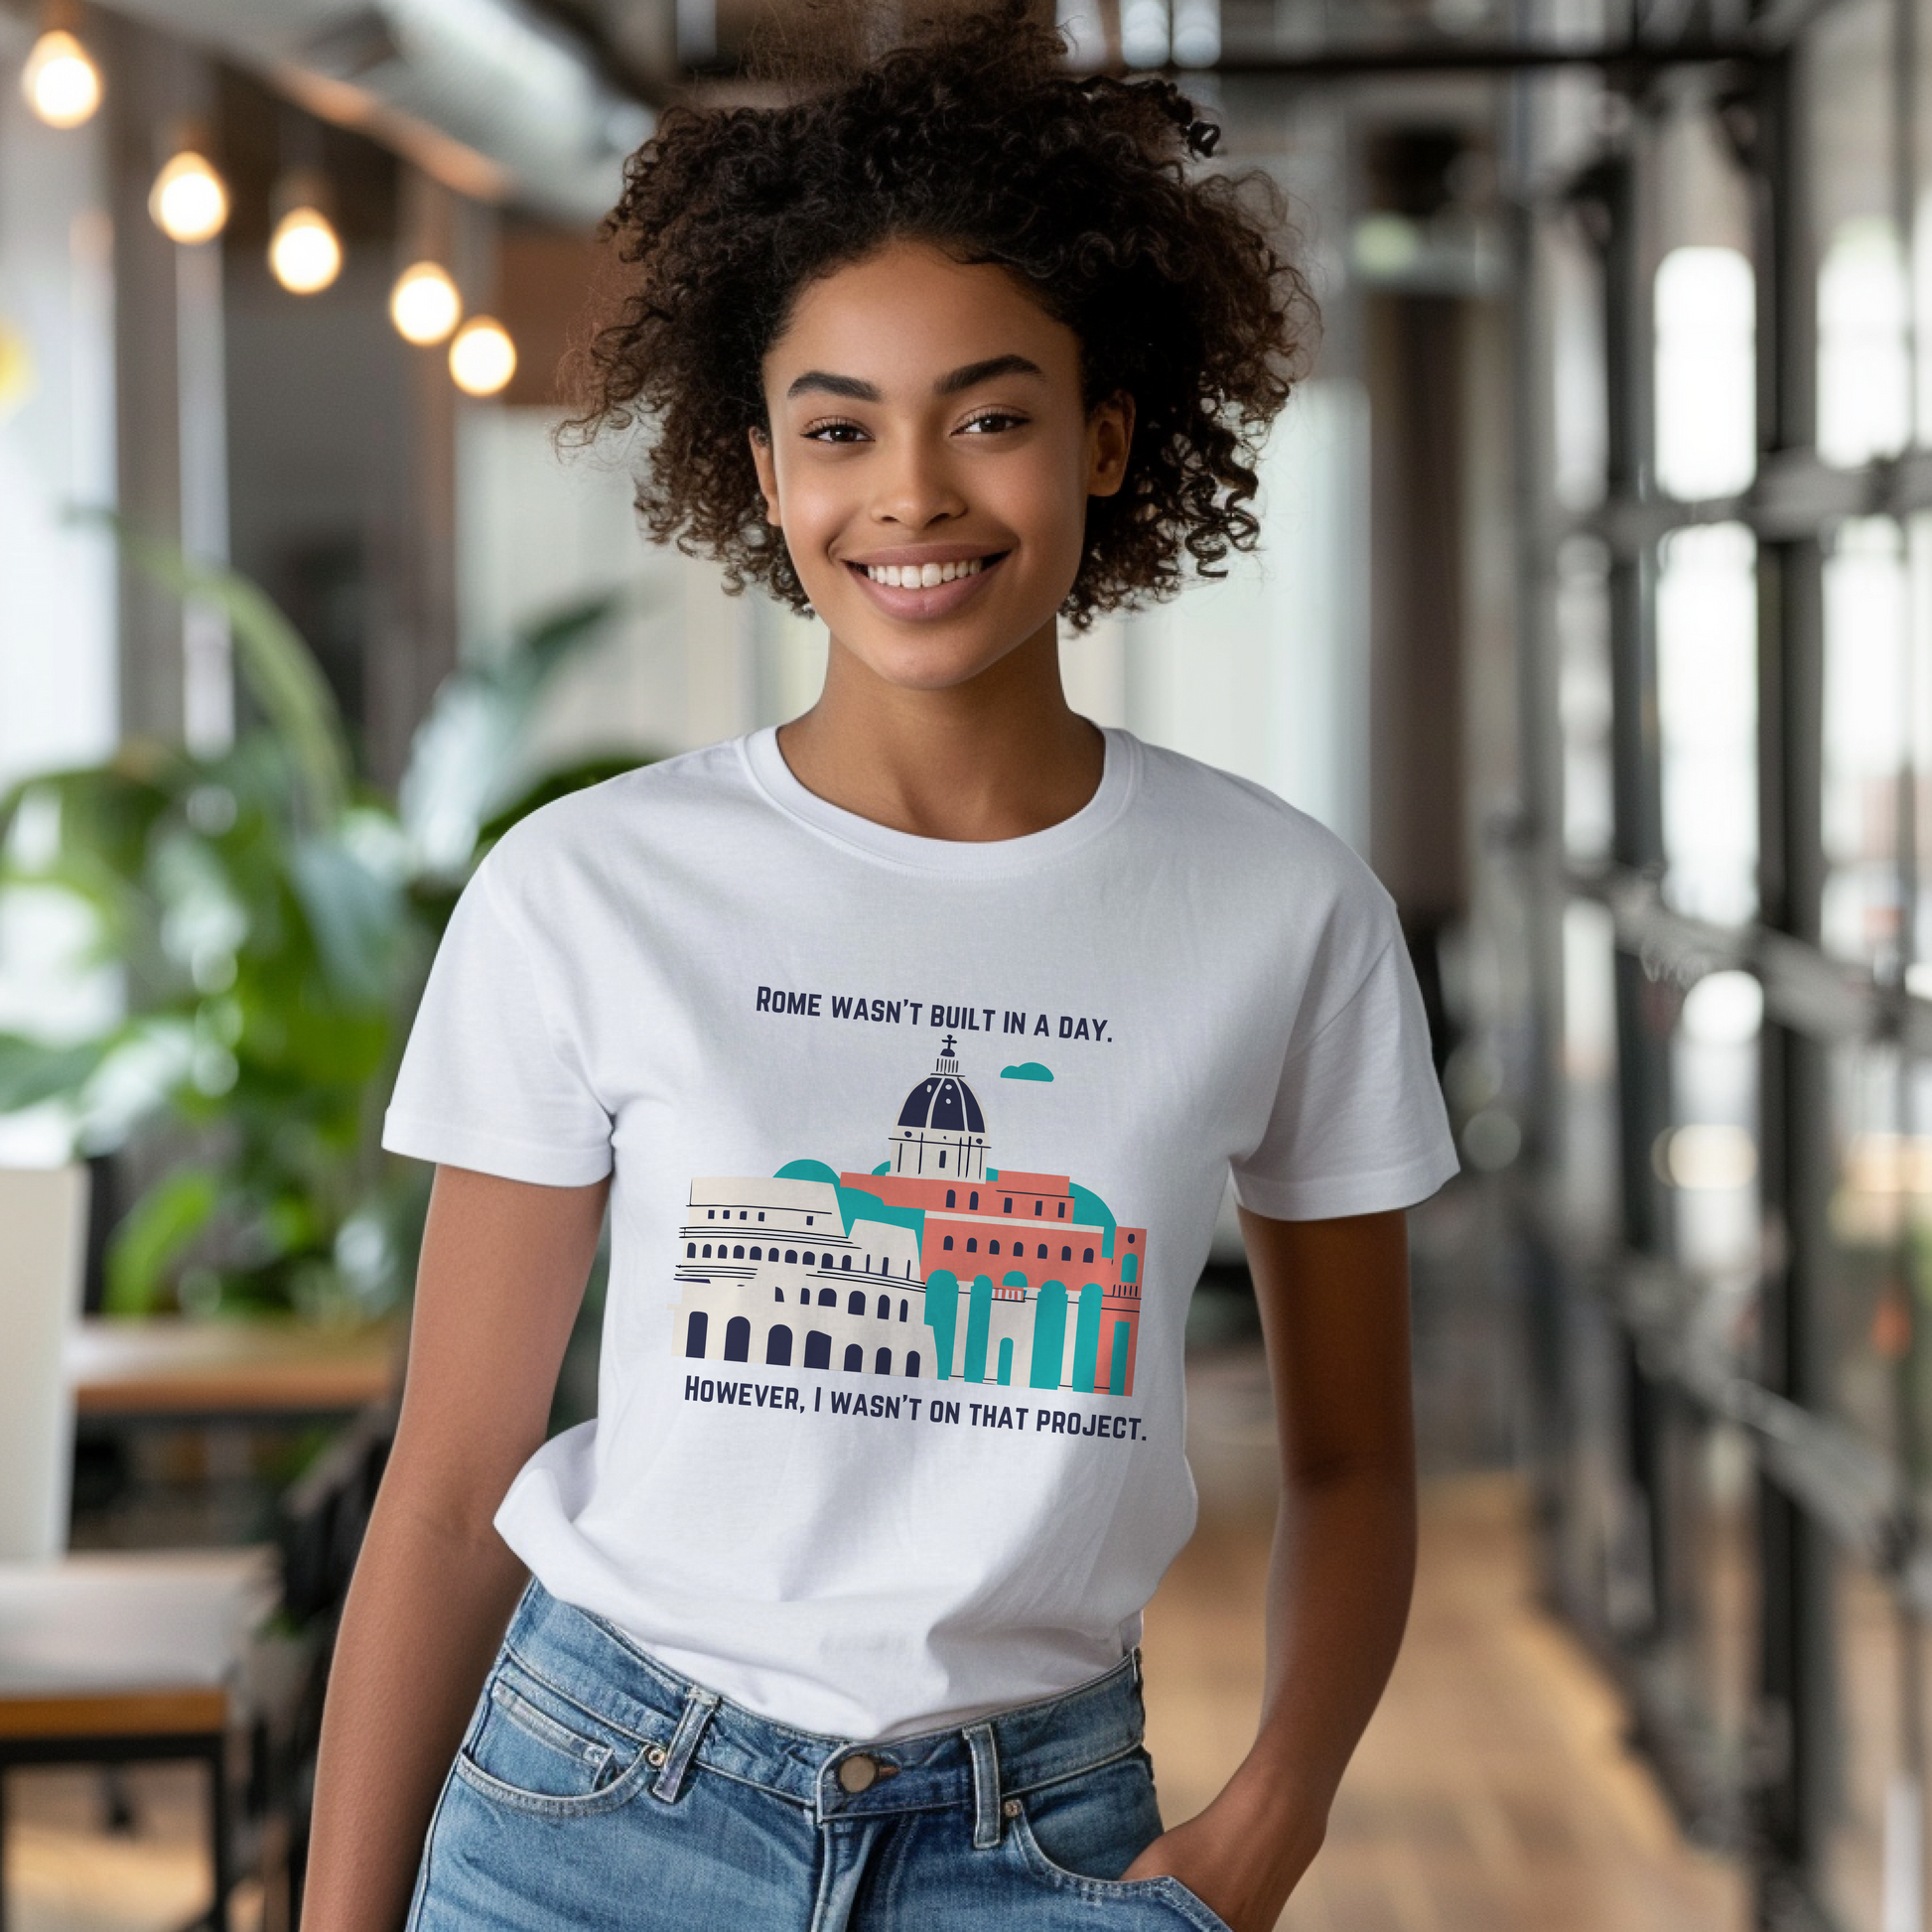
(923, 591)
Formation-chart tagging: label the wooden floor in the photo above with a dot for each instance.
(1491, 1794)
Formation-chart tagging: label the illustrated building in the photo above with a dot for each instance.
(935, 1267)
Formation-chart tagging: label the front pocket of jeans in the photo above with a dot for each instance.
(535, 1750)
(1163, 1891)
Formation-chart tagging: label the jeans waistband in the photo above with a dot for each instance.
(683, 1725)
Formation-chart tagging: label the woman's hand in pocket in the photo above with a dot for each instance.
(1240, 1858)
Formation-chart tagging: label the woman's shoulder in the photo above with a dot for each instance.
(1247, 833)
(669, 803)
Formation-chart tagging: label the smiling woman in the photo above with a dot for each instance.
(977, 142)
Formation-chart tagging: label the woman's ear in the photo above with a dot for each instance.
(1110, 437)
(767, 475)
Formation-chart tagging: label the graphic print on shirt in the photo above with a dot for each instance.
(934, 1266)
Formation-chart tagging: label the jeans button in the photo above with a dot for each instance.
(858, 1773)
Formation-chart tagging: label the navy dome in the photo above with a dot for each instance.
(944, 1102)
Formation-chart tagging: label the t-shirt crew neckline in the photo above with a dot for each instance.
(1119, 774)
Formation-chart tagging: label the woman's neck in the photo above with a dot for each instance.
(996, 757)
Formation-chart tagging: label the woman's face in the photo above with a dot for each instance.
(930, 460)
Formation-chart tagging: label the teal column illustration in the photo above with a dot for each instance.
(941, 1316)
(1049, 1336)
(979, 1320)
(1006, 1361)
(1117, 1369)
(1086, 1338)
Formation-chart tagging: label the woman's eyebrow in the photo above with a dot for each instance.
(824, 382)
(977, 372)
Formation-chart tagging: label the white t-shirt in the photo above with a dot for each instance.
(916, 1151)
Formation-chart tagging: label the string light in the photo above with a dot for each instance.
(60, 82)
(483, 358)
(305, 253)
(189, 199)
(424, 304)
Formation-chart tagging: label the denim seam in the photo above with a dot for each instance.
(610, 1797)
(1081, 1771)
(595, 1717)
(537, 1723)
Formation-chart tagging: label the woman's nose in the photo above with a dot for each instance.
(915, 490)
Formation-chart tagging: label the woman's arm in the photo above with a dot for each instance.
(1334, 1311)
(502, 1273)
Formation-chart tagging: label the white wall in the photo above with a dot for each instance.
(58, 684)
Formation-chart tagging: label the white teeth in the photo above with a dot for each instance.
(923, 576)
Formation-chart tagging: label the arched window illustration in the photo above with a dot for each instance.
(973, 1199)
(884, 1312)
(690, 1250)
(707, 1250)
(1130, 1269)
(694, 1332)
(1049, 1336)
(1008, 1209)
(993, 1247)
(758, 1254)
(947, 1244)
(777, 1348)
(1086, 1255)
(791, 1254)
(818, 1349)
(979, 1321)
(1066, 1253)
(901, 1307)
(778, 1294)
(882, 1363)
(952, 1199)
(1086, 1338)
(942, 1318)
(972, 1244)
(856, 1302)
(845, 1262)
(811, 1260)
(855, 1358)
(738, 1339)
(912, 1363)
(738, 1253)
(1043, 1251)
(828, 1298)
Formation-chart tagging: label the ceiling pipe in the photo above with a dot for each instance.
(491, 97)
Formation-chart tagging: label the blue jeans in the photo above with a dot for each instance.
(597, 1789)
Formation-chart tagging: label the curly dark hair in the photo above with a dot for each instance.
(974, 136)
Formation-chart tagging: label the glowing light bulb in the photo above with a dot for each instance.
(62, 84)
(304, 253)
(424, 304)
(483, 358)
(189, 199)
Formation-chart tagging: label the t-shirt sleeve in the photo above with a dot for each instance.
(490, 1079)
(1358, 1124)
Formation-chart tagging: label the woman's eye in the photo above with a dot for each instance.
(834, 432)
(992, 421)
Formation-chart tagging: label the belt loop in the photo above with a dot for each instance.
(986, 1787)
(669, 1781)
(1138, 1673)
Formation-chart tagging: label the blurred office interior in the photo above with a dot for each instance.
(1595, 607)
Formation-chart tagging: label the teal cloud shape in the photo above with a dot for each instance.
(1026, 1070)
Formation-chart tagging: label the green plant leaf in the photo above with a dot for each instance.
(275, 663)
(161, 1227)
(32, 1071)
